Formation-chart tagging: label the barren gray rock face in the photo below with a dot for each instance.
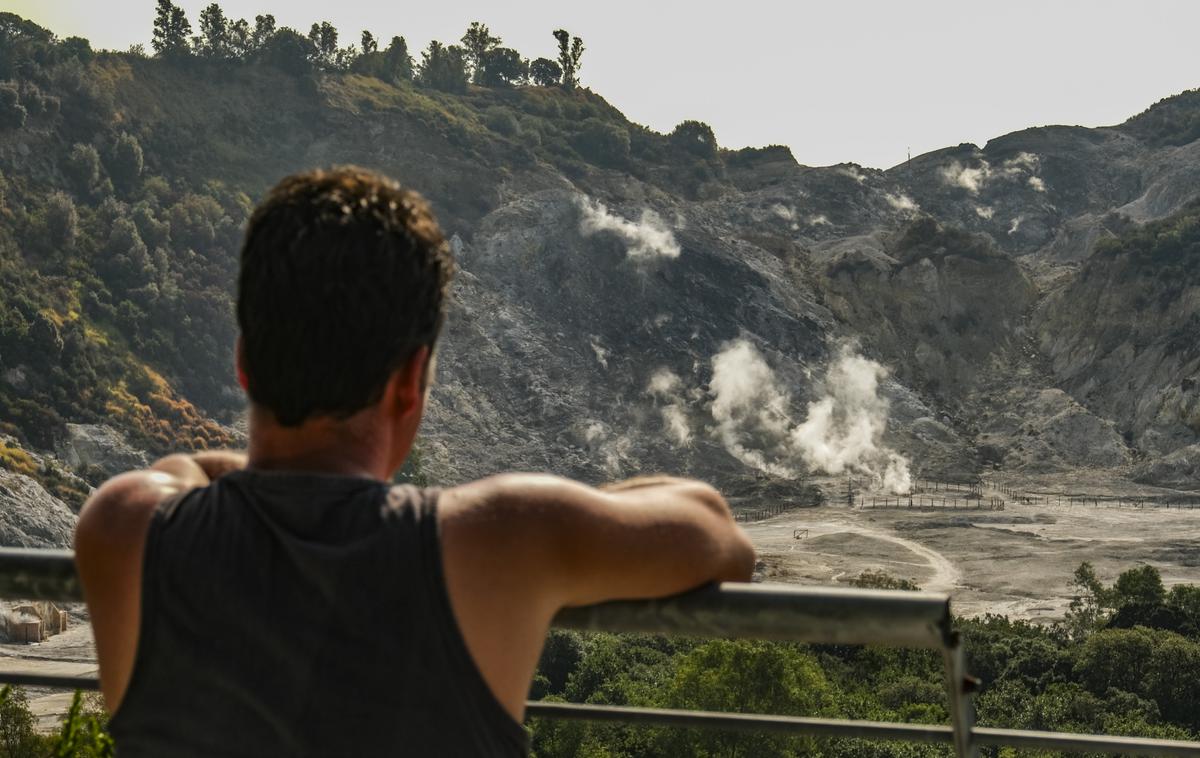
(595, 295)
(30, 516)
(100, 446)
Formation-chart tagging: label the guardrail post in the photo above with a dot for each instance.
(959, 687)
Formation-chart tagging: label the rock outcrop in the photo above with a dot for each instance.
(30, 516)
(100, 447)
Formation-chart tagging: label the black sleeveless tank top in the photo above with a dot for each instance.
(296, 614)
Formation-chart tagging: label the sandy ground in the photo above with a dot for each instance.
(72, 653)
(1015, 562)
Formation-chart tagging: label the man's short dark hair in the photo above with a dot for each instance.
(344, 276)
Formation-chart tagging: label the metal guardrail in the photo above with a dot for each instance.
(761, 611)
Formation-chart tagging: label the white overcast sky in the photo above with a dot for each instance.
(837, 81)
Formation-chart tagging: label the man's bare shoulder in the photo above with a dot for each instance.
(118, 512)
(515, 503)
(510, 492)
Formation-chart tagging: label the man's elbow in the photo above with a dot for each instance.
(737, 552)
(740, 557)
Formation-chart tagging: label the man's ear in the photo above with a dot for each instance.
(407, 384)
(239, 361)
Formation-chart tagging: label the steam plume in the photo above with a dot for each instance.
(646, 239)
(667, 387)
(973, 178)
(843, 430)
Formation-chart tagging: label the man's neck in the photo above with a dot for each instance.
(351, 447)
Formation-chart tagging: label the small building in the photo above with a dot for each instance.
(33, 622)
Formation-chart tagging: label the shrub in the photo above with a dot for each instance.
(443, 68)
(602, 143)
(125, 162)
(695, 137)
(61, 221)
(502, 121)
(12, 113)
(289, 51)
(83, 168)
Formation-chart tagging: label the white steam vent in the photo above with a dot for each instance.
(843, 430)
(646, 239)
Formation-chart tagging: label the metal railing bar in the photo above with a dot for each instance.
(778, 612)
(750, 611)
(877, 730)
(1085, 743)
(87, 683)
(747, 722)
(741, 722)
(27, 574)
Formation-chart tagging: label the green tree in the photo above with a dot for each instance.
(61, 222)
(1184, 599)
(1142, 585)
(241, 40)
(77, 47)
(696, 138)
(443, 68)
(477, 42)
(289, 51)
(214, 41)
(17, 735)
(82, 169)
(12, 113)
(171, 31)
(545, 73)
(502, 67)
(324, 39)
(745, 677)
(570, 54)
(399, 64)
(1117, 658)
(369, 44)
(602, 142)
(1089, 605)
(264, 30)
(125, 162)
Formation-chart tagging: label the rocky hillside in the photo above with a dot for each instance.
(1030, 308)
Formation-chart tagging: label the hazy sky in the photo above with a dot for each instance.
(839, 80)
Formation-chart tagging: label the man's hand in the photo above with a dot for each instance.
(199, 469)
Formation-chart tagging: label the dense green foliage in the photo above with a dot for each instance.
(1089, 674)
(1095, 677)
(119, 237)
(82, 734)
(480, 60)
(1172, 121)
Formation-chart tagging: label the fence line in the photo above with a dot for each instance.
(925, 502)
(972, 498)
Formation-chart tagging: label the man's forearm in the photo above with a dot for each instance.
(639, 482)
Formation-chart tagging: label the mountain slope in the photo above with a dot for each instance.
(605, 270)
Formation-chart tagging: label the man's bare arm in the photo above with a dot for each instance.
(642, 538)
(517, 548)
(109, 544)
